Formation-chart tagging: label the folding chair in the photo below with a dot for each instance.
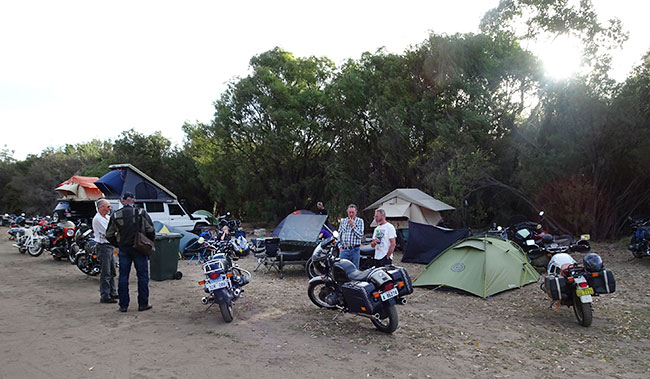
(266, 253)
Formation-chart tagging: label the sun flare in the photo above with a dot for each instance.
(561, 57)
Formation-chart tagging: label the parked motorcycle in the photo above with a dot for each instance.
(573, 284)
(371, 293)
(60, 240)
(223, 282)
(640, 243)
(84, 250)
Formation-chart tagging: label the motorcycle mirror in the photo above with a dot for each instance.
(499, 228)
(541, 213)
(336, 234)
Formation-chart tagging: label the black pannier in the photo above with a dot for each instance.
(400, 274)
(358, 296)
(556, 287)
(603, 283)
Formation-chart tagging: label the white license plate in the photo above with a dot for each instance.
(389, 294)
(216, 285)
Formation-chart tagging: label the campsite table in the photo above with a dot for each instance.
(163, 264)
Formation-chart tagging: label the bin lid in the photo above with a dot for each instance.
(168, 236)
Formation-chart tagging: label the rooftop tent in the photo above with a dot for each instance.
(427, 241)
(127, 178)
(410, 204)
(79, 188)
(480, 265)
(276, 231)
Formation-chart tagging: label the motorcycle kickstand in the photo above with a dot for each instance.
(209, 306)
(338, 314)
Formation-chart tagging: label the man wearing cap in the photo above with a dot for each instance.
(104, 250)
(122, 228)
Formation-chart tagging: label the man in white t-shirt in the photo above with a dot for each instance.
(383, 239)
(104, 250)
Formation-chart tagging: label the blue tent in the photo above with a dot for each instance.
(127, 178)
(426, 242)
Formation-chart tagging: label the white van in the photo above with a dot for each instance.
(170, 213)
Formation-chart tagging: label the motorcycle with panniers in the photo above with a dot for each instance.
(373, 293)
(572, 284)
(223, 282)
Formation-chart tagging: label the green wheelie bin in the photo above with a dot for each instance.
(163, 264)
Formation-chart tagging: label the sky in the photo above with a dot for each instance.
(72, 71)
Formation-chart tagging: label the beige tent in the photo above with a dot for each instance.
(80, 188)
(404, 204)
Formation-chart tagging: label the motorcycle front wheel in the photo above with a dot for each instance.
(72, 254)
(226, 311)
(317, 291)
(389, 324)
(35, 248)
(314, 269)
(583, 311)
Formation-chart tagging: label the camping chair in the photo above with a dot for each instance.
(266, 253)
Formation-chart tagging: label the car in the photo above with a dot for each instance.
(73, 210)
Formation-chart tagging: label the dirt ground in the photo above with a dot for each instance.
(53, 326)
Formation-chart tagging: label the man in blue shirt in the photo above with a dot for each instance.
(351, 233)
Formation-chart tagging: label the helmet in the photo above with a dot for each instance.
(593, 262)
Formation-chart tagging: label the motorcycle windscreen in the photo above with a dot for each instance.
(301, 227)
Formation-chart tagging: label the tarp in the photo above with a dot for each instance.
(426, 242)
(209, 215)
(480, 265)
(80, 188)
(127, 178)
(186, 239)
(301, 227)
(276, 231)
(410, 204)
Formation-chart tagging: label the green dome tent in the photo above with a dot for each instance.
(480, 265)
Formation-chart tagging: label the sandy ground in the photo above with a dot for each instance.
(53, 326)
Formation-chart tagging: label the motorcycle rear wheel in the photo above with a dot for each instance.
(317, 292)
(226, 311)
(389, 324)
(583, 311)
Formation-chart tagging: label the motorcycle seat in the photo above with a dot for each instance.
(367, 251)
(350, 271)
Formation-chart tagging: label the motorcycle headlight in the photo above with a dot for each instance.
(69, 232)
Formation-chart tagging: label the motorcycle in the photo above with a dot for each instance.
(573, 284)
(84, 250)
(372, 293)
(640, 242)
(223, 282)
(60, 240)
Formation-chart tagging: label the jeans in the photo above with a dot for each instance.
(353, 255)
(107, 271)
(127, 255)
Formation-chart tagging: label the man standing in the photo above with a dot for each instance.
(104, 250)
(383, 239)
(351, 233)
(122, 228)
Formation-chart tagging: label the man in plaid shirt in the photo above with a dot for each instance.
(351, 233)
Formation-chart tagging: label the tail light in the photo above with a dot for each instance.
(583, 284)
(389, 287)
(213, 275)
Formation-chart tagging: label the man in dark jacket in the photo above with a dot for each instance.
(121, 231)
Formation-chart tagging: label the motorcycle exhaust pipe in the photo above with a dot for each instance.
(204, 300)
(403, 301)
(236, 292)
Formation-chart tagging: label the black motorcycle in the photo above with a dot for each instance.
(640, 243)
(84, 251)
(223, 282)
(372, 293)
